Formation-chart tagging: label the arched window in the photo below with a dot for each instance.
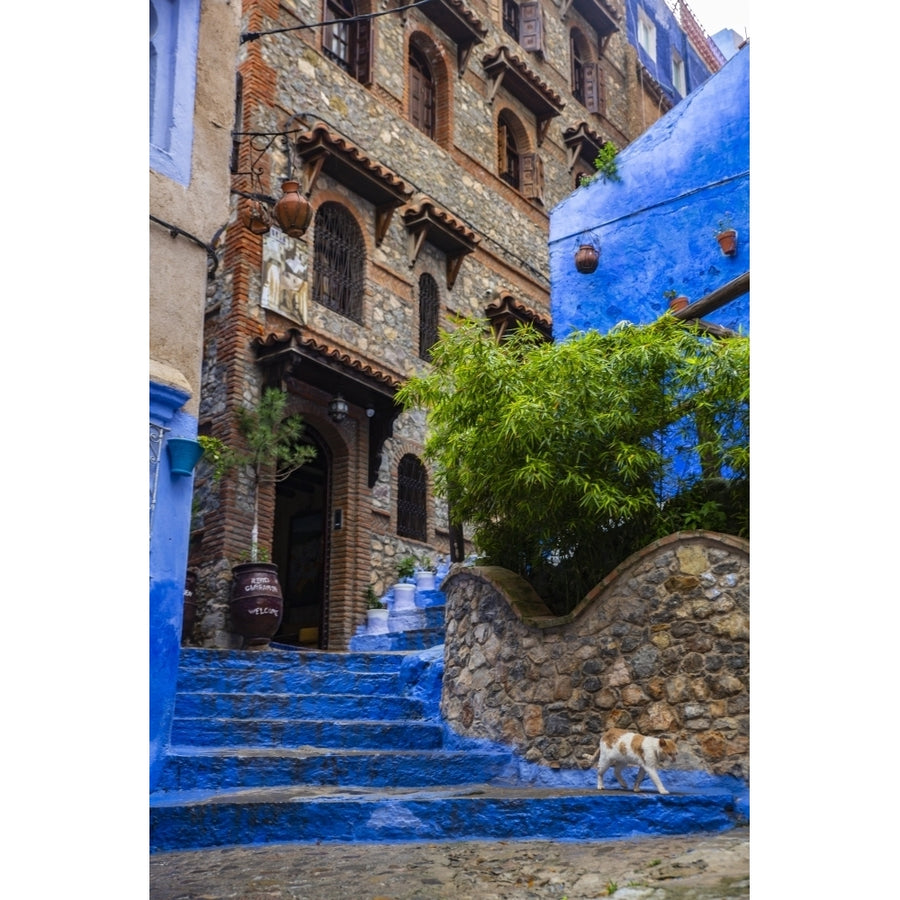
(578, 59)
(511, 18)
(588, 85)
(349, 44)
(429, 301)
(411, 495)
(507, 150)
(421, 92)
(339, 254)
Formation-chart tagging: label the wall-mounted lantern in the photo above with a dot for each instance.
(337, 409)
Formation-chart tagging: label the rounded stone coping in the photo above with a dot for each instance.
(527, 604)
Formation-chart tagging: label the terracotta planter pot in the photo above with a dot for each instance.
(293, 211)
(727, 241)
(679, 303)
(256, 603)
(587, 256)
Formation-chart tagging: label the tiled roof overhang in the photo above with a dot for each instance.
(427, 221)
(504, 67)
(459, 23)
(322, 149)
(289, 355)
(599, 14)
(580, 142)
(508, 311)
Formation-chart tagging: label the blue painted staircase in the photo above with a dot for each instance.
(284, 746)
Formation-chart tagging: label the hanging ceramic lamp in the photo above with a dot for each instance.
(293, 212)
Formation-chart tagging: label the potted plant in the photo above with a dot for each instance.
(676, 301)
(376, 613)
(726, 236)
(275, 450)
(425, 573)
(405, 589)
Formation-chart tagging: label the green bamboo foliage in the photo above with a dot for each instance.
(554, 452)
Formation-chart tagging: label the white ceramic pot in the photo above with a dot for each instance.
(376, 621)
(425, 581)
(404, 597)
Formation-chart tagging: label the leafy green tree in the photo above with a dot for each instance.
(275, 449)
(565, 457)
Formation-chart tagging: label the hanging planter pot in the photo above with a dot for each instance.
(587, 256)
(256, 218)
(184, 454)
(727, 241)
(678, 303)
(293, 212)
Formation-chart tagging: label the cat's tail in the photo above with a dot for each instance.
(589, 762)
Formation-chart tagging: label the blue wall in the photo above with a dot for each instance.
(669, 37)
(656, 228)
(169, 534)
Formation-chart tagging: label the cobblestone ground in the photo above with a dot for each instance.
(684, 867)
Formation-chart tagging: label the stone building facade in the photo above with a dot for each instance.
(431, 143)
(190, 101)
(660, 646)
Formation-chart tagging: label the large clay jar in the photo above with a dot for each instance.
(256, 604)
(293, 211)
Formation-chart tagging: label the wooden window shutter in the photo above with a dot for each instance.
(532, 176)
(593, 88)
(502, 140)
(362, 51)
(531, 26)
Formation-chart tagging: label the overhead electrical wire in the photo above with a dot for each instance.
(255, 35)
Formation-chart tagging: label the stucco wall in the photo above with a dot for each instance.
(656, 227)
(660, 646)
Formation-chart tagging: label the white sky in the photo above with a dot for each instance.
(714, 15)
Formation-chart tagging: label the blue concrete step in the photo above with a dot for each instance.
(193, 768)
(472, 812)
(287, 745)
(271, 705)
(363, 734)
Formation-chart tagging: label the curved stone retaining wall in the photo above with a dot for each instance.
(660, 646)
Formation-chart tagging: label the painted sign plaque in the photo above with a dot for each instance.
(285, 287)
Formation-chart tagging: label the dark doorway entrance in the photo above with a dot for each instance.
(300, 548)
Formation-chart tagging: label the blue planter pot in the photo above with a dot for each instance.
(183, 455)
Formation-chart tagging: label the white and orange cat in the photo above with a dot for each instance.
(619, 748)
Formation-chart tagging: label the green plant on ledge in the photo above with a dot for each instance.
(372, 600)
(406, 568)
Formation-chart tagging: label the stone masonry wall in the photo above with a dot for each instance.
(660, 646)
